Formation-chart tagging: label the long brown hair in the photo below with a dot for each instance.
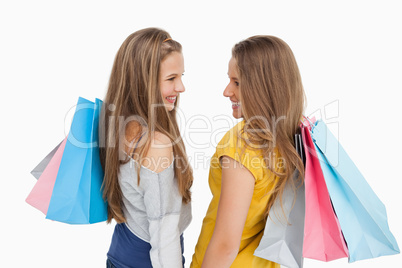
(273, 99)
(134, 95)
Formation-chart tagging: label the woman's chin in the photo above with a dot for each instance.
(169, 106)
(237, 114)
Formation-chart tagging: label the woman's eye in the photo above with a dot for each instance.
(237, 83)
(171, 79)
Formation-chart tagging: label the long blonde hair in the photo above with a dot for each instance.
(273, 99)
(134, 95)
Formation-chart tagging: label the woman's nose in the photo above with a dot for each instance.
(180, 87)
(227, 92)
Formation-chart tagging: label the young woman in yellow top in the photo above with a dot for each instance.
(256, 158)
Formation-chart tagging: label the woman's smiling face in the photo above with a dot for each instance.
(232, 90)
(171, 84)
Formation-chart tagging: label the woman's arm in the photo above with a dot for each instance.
(236, 193)
(163, 205)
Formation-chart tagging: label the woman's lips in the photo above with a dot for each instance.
(235, 104)
(171, 99)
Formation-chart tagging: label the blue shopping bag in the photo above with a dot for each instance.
(77, 196)
(362, 215)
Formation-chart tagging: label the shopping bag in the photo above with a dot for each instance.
(38, 170)
(282, 241)
(323, 238)
(39, 197)
(77, 196)
(362, 216)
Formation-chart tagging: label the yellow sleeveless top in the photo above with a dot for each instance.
(231, 145)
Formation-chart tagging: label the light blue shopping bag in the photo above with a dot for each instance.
(77, 196)
(361, 214)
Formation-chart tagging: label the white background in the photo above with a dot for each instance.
(349, 54)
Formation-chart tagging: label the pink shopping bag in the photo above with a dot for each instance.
(42, 191)
(323, 239)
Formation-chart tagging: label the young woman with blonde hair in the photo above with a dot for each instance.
(147, 175)
(255, 159)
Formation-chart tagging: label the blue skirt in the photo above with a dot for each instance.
(128, 251)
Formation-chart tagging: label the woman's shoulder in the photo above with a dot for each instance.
(236, 140)
(160, 154)
(235, 145)
(232, 136)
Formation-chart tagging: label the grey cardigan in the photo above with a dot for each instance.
(154, 211)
